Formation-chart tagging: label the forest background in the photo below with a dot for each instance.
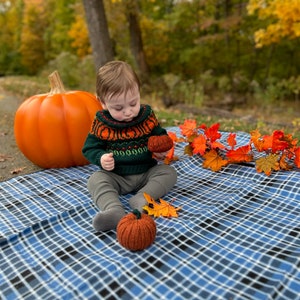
(222, 54)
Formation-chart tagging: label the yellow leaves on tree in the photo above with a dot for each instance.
(161, 208)
(80, 37)
(285, 17)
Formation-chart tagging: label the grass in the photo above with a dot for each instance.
(267, 119)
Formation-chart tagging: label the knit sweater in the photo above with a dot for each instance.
(126, 140)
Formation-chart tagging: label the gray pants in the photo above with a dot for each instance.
(105, 187)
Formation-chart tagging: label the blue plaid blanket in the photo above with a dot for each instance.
(236, 237)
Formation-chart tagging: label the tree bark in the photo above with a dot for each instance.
(136, 42)
(98, 32)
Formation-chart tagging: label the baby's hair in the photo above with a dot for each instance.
(114, 78)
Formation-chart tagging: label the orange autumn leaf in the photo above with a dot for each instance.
(297, 157)
(267, 142)
(283, 163)
(170, 156)
(188, 128)
(241, 154)
(212, 132)
(199, 145)
(174, 137)
(267, 164)
(188, 149)
(231, 140)
(257, 140)
(217, 145)
(161, 208)
(213, 161)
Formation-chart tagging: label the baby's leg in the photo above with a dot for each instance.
(157, 182)
(104, 190)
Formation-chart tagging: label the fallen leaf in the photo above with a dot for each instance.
(231, 140)
(199, 145)
(213, 161)
(297, 157)
(241, 154)
(257, 140)
(163, 208)
(188, 128)
(283, 163)
(267, 164)
(4, 157)
(17, 171)
(213, 133)
(188, 149)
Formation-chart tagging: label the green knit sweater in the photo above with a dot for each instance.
(126, 140)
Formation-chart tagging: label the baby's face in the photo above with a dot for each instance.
(124, 107)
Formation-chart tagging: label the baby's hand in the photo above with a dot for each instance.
(107, 161)
(160, 156)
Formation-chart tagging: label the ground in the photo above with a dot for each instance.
(12, 161)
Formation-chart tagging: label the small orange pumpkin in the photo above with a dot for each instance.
(160, 143)
(50, 129)
(136, 231)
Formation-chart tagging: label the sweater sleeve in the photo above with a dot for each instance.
(93, 149)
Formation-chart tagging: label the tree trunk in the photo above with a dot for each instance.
(98, 32)
(136, 42)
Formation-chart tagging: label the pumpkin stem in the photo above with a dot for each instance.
(137, 213)
(56, 84)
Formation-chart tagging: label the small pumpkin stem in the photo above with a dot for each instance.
(137, 213)
(56, 84)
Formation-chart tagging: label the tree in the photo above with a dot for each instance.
(136, 41)
(283, 20)
(98, 32)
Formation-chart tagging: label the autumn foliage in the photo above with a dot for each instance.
(160, 208)
(278, 151)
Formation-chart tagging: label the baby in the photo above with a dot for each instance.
(118, 144)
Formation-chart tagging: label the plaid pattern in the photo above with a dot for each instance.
(236, 237)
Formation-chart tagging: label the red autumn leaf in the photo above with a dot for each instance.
(267, 141)
(297, 157)
(188, 128)
(212, 132)
(217, 145)
(279, 143)
(199, 145)
(241, 154)
(231, 140)
(213, 161)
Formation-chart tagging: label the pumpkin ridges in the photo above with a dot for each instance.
(52, 134)
(28, 137)
(136, 234)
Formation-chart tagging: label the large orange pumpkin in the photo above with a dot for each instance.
(136, 231)
(50, 129)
